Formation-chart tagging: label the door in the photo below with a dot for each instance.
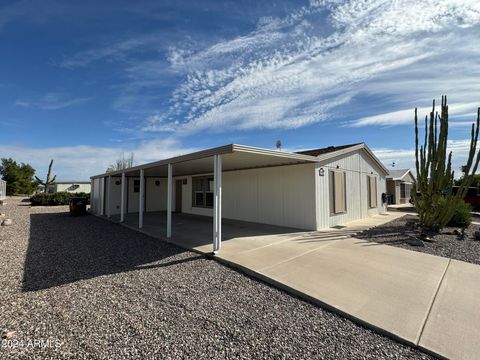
(178, 196)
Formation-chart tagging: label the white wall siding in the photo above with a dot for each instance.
(97, 196)
(132, 197)
(283, 195)
(155, 196)
(115, 195)
(3, 189)
(86, 188)
(357, 167)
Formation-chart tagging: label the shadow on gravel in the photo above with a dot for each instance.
(387, 235)
(63, 249)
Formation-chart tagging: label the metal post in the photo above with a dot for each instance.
(122, 199)
(217, 203)
(92, 196)
(141, 199)
(109, 194)
(169, 200)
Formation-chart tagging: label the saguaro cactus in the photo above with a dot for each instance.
(435, 202)
(50, 180)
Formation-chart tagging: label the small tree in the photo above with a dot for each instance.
(122, 163)
(50, 180)
(19, 177)
(435, 202)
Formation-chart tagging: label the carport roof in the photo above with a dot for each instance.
(236, 157)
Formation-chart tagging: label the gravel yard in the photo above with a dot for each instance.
(86, 288)
(446, 244)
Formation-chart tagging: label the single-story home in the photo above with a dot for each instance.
(308, 190)
(70, 186)
(399, 185)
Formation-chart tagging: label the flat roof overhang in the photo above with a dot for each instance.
(235, 157)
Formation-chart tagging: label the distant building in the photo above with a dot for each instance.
(399, 185)
(70, 186)
(3, 189)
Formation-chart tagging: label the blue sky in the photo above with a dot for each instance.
(83, 81)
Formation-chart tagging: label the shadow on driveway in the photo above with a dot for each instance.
(64, 249)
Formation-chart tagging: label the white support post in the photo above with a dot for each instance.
(141, 199)
(122, 199)
(109, 194)
(169, 200)
(217, 203)
(92, 196)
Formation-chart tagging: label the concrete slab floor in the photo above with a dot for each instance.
(453, 326)
(422, 299)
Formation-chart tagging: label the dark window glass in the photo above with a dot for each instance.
(209, 199)
(136, 186)
(202, 191)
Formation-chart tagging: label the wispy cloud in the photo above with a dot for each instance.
(307, 66)
(51, 101)
(406, 117)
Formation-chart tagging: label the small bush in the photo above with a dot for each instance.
(462, 217)
(59, 198)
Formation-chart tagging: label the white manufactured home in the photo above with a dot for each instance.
(70, 186)
(399, 185)
(307, 190)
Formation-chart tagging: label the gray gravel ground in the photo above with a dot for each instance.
(445, 244)
(106, 292)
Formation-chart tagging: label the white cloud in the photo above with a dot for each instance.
(51, 101)
(81, 162)
(407, 116)
(297, 70)
(405, 158)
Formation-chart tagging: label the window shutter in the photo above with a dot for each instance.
(373, 191)
(339, 192)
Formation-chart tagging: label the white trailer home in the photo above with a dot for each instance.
(308, 190)
(70, 186)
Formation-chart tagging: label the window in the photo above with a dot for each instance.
(202, 191)
(372, 191)
(405, 190)
(136, 186)
(338, 192)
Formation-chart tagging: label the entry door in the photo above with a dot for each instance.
(178, 196)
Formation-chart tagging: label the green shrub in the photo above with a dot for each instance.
(59, 198)
(462, 216)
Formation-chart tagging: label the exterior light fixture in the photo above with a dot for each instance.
(321, 172)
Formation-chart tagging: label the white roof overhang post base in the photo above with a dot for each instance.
(122, 199)
(109, 194)
(141, 199)
(217, 203)
(169, 200)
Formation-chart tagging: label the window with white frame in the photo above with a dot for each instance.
(405, 190)
(202, 191)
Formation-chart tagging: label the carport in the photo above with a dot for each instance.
(216, 161)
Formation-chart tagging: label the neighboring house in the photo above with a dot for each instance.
(306, 190)
(70, 186)
(3, 189)
(399, 185)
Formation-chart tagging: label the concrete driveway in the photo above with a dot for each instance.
(425, 300)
